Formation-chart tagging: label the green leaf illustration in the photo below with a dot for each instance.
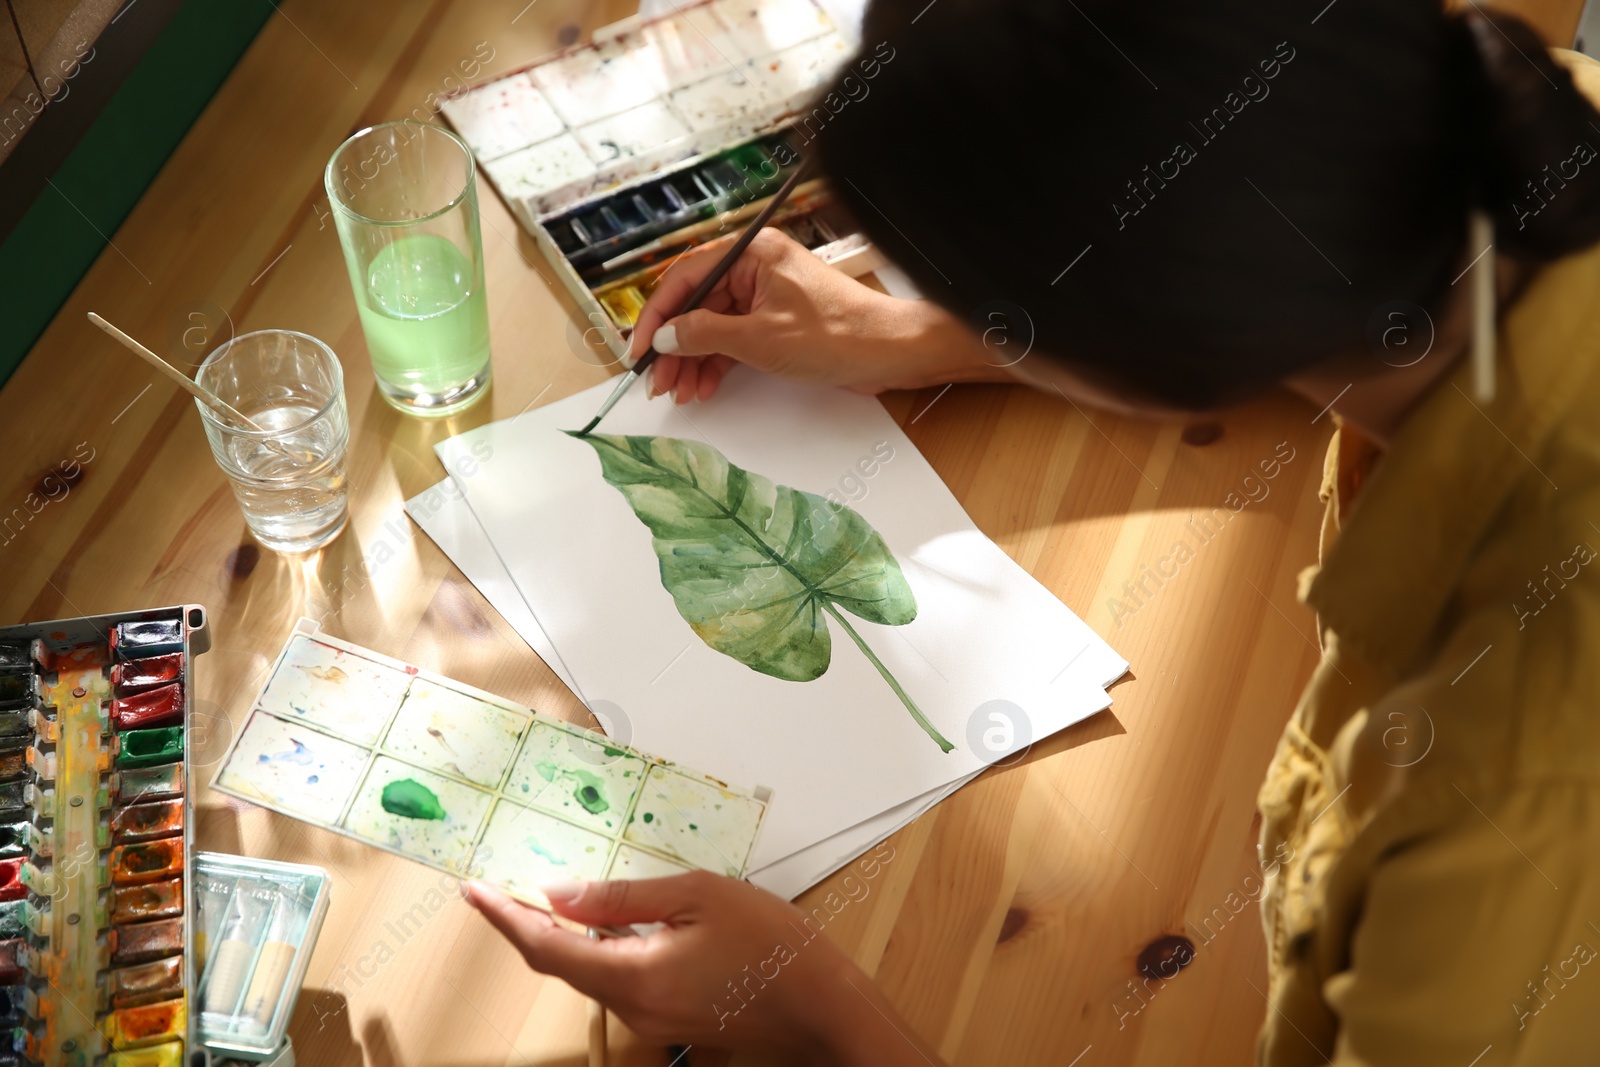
(757, 568)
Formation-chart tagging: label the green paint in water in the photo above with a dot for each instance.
(411, 800)
(648, 817)
(692, 826)
(613, 752)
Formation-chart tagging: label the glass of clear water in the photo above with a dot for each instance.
(405, 200)
(289, 476)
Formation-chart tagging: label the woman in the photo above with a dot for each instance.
(1190, 204)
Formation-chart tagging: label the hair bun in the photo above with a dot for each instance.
(1530, 135)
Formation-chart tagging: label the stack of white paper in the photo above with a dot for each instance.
(991, 660)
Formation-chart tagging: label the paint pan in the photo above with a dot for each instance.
(13, 799)
(151, 819)
(148, 1024)
(19, 687)
(161, 899)
(147, 861)
(611, 153)
(167, 1054)
(142, 942)
(135, 676)
(14, 918)
(472, 784)
(12, 969)
(160, 782)
(16, 839)
(146, 983)
(149, 748)
(161, 706)
(147, 637)
(16, 724)
(11, 886)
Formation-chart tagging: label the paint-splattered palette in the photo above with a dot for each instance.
(95, 963)
(422, 766)
(644, 93)
(619, 154)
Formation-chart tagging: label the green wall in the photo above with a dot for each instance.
(117, 158)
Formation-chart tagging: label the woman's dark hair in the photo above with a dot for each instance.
(1193, 200)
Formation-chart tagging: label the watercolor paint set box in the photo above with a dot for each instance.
(659, 135)
(98, 967)
(99, 955)
(412, 762)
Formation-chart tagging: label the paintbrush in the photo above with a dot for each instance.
(211, 400)
(703, 290)
(598, 1055)
(692, 233)
(204, 395)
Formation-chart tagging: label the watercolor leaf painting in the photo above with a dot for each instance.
(757, 569)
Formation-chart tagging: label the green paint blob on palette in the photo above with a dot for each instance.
(418, 813)
(411, 800)
(588, 788)
(575, 776)
(466, 782)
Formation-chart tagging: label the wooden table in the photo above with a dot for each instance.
(1008, 925)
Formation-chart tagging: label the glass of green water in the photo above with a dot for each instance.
(405, 199)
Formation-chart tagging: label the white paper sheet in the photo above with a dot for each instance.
(838, 750)
(445, 517)
(793, 875)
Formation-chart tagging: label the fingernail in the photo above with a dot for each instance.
(562, 892)
(650, 382)
(666, 339)
(478, 893)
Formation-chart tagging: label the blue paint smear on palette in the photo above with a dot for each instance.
(299, 754)
(539, 850)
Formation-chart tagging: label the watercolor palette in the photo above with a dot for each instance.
(98, 834)
(658, 135)
(422, 766)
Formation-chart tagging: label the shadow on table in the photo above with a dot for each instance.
(1097, 727)
(217, 824)
(379, 1044)
(1222, 458)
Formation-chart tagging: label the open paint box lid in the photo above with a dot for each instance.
(256, 926)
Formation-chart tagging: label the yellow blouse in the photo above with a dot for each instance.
(1431, 818)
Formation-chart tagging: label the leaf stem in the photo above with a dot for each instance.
(905, 698)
